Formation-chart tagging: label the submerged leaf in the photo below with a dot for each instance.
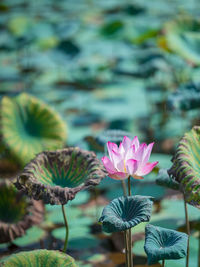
(186, 166)
(162, 243)
(28, 126)
(126, 212)
(39, 258)
(57, 176)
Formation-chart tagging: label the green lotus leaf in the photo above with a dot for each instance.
(162, 243)
(17, 212)
(183, 37)
(57, 176)
(186, 166)
(28, 126)
(165, 180)
(39, 258)
(126, 212)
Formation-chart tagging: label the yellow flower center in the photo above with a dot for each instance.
(125, 166)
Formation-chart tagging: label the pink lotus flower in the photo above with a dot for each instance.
(129, 159)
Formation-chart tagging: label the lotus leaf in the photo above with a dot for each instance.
(186, 166)
(126, 212)
(183, 38)
(17, 212)
(162, 243)
(57, 176)
(29, 126)
(165, 180)
(39, 258)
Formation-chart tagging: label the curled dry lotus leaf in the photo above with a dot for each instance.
(165, 180)
(186, 166)
(57, 176)
(39, 258)
(29, 126)
(164, 244)
(17, 212)
(126, 212)
(183, 37)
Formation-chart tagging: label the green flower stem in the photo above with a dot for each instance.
(188, 231)
(67, 229)
(125, 232)
(129, 231)
(129, 186)
(163, 263)
(124, 188)
(199, 250)
(126, 248)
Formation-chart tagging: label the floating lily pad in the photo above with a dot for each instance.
(55, 214)
(165, 180)
(126, 212)
(39, 258)
(33, 235)
(25, 124)
(74, 232)
(57, 176)
(115, 136)
(138, 188)
(83, 197)
(185, 169)
(17, 212)
(82, 243)
(162, 243)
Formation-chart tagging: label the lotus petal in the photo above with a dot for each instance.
(39, 258)
(162, 243)
(28, 126)
(57, 176)
(183, 38)
(126, 212)
(186, 166)
(165, 180)
(17, 212)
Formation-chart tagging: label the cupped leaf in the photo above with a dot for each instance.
(28, 126)
(183, 37)
(126, 212)
(17, 212)
(57, 176)
(165, 180)
(39, 258)
(186, 166)
(162, 243)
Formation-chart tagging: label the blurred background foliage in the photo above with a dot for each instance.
(128, 65)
